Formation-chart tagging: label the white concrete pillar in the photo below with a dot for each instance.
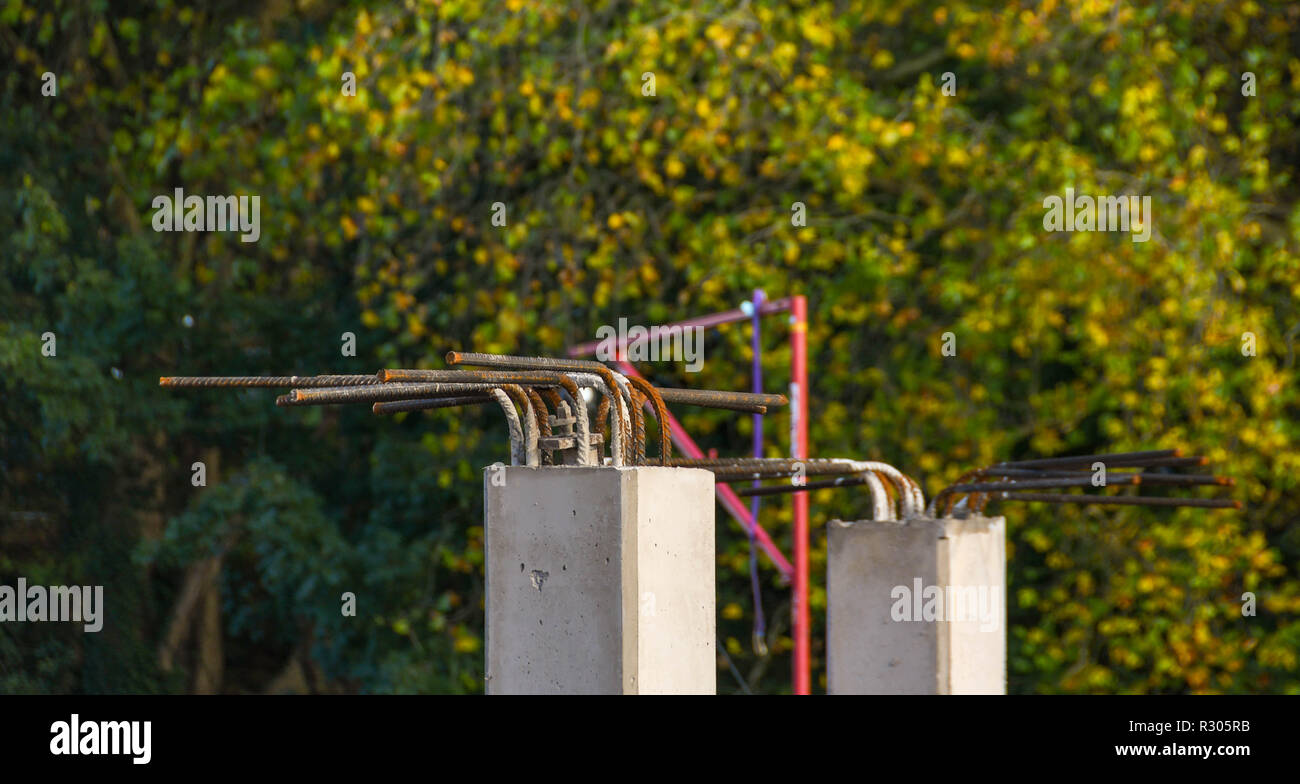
(917, 607)
(600, 580)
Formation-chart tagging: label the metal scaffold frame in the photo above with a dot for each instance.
(792, 571)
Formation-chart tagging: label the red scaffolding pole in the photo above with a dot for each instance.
(797, 571)
(799, 448)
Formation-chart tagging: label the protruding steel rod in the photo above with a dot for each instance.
(709, 398)
(839, 481)
(544, 363)
(982, 484)
(400, 406)
(1040, 484)
(638, 426)
(518, 455)
(631, 423)
(763, 462)
(532, 453)
(755, 403)
(468, 375)
(1118, 500)
(1086, 461)
(379, 392)
(539, 379)
(1148, 477)
(541, 417)
(1151, 478)
(611, 430)
(661, 415)
(204, 382)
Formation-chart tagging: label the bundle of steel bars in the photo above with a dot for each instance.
(535, 394)
(1015, 481)
(888, 486)
(1025, 480)
(545, 408)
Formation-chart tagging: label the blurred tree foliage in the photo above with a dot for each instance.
(648, 155)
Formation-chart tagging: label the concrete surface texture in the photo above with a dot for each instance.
(917, 607)
(600, 580)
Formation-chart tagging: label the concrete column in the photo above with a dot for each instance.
(600, 580)
(917, 607)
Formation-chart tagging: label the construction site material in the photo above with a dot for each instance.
(531, 391)
(600, 580)
(1008, 481)
(917, 607)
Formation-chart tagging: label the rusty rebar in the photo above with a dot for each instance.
(750, 402)
(788, 463)
(1148, 477)
(661, 415)
(222, 382)
(627, 415)
(839, 481)
(1075, 471)
(1047, 483)
(469, 375)
(540, 363)
(612, 430)
(377, 392)
(1112, 458)
(638, 425)
(703, 462)
(602, 417)
(770, 468)
(518, 454)
(542, 418)
(532, 451)
(709, 398)
(905, 490)
(1118, 500)
(401, 406)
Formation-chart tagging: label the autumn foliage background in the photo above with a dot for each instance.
(924, 216)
